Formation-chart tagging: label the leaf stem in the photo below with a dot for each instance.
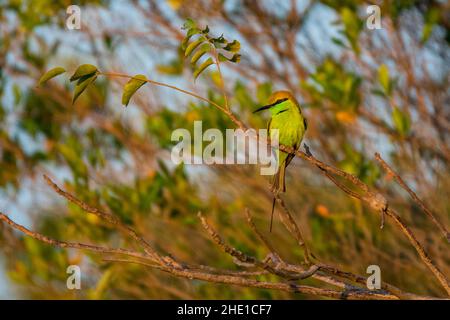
(161, 84)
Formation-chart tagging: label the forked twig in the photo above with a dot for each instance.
(413, 195)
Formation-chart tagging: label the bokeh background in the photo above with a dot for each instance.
(361, 90)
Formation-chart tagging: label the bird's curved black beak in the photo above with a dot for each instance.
(263, 108)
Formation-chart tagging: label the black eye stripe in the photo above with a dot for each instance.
(280, 101)
(277, 102)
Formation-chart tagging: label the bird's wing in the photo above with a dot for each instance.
(296, 147)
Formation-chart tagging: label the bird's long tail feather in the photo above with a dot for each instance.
(271, 216)
(278, 185)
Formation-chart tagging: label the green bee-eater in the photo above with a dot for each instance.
(287, 117)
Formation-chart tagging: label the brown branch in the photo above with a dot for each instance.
(196, 267)
(295, 272)
(200, 275)
(281, 264)
(292, 227)
(113, 220)
(328, 269)
(363, 280)
(379, 203)
(259, 234)
(206, 273)
(420, 250)
(64, 244)
(413, 195)
(333, 179)
(278, 266)
(352, 293)
(225, 247)
(189, 93)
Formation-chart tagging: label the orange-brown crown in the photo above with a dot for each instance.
(282, 94)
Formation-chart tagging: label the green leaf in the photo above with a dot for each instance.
(353, 26)
(426, 32)
(202, 67)
(190, 33)
(17, 93)
(431, 18)
(377, 92)
(383, 78)
(402, 121)
(83, 70)
(189, 24)
(234, 46)
(131, 87)
(81, 86)
(235, 58)
(51, 74)
(222, 58)
(193, 45)
(219, 41)
(84, 78)
(204, 48)
(338, 42)
(205, 30)
(174, 67)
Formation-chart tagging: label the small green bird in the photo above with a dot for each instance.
(287, 117)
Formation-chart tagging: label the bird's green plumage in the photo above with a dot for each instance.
(287, 119)
(291, 125)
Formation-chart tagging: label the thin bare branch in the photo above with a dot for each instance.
(359, 294)
(64, 244)
(413, 195)
(420, 250)
(292, 227)
(113, 220)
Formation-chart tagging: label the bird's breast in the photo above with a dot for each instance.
(290, 128)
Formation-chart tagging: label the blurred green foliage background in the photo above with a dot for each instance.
(362, 91)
